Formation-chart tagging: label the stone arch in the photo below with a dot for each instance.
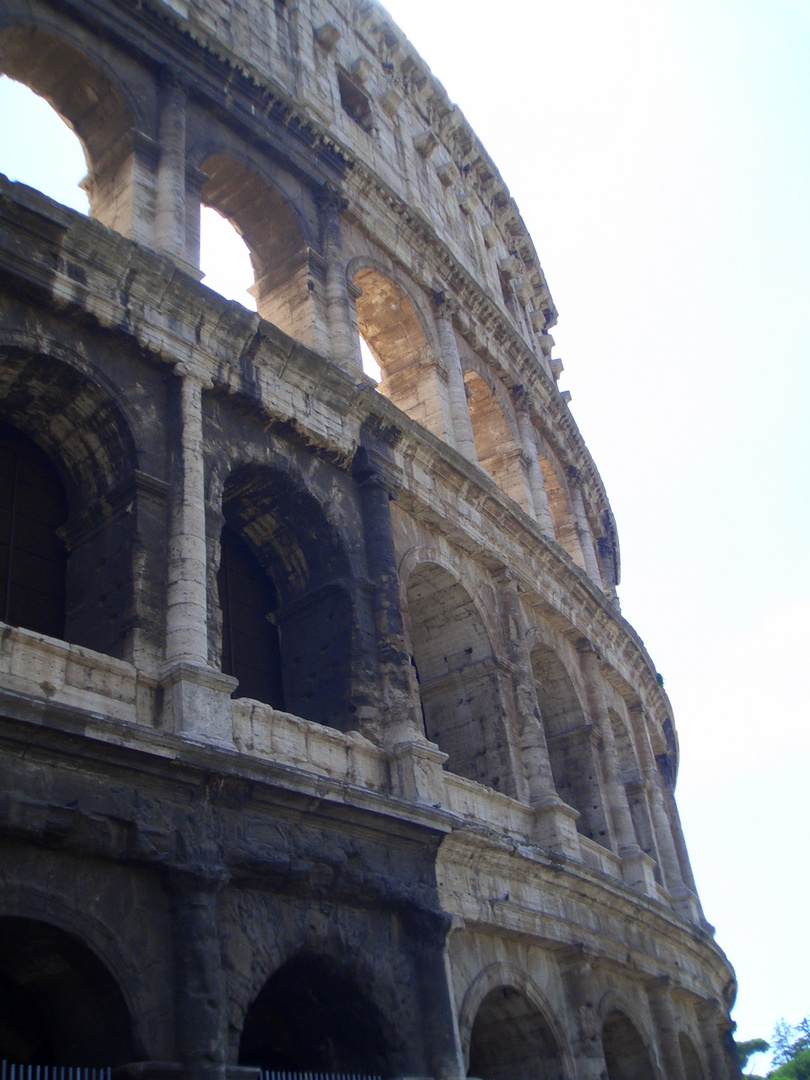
(59, 1002)
(286, 531)
(637, 794)
(521, 1021)
(572, 742)
(71, 415)
(559, 505)
(88, 96)
(275, 235)
(627, 1054)
(496, 443)
(314, 1014)
(692, 1065)
(458, 677)
(390, 322)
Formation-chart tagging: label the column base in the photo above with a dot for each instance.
(417, 772)
(197, 702)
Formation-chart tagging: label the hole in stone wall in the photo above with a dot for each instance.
(355, 102)
(626, 1056)
(38, 147)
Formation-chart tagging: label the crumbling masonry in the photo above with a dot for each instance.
(323, 743)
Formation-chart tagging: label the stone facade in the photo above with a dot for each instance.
(324, 744)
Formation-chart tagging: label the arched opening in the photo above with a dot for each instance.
(571, 743)
(626, 1056)
(265, 220)
(512, 1040)
(90, 104)
(75, 424)
(311, 1016)
(495, 446)
(225, 259)
(393, 333)
(559, 505)
(458, 677)
(692, 1067)
(248, 600)
(31, 161)
(636, 789)
(280, 558)
(59, 1005)
(33, 558)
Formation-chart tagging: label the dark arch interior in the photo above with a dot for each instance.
(58, 1003)
(511, 1040)
(250, 644)
(285, 561)
(310, 1016)
(33, 559)
(691, 1062)
(626, 1056)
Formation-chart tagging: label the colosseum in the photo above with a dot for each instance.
(325, 746)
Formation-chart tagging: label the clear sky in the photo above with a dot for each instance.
(659, 151)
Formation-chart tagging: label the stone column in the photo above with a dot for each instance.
(528, 439)
(583, 527)
(670, 867)
(186, 617)
(201, 1020)
(556, 819)
(345, 343)
(714, 1026)
(461, 434)
(170, 215)
(576, 970)
(196, 698)
(416, 763)
(618, 808)
(428, 933)
(666, 1030)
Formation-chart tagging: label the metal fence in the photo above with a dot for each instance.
(10, 1071)
(273, 1075)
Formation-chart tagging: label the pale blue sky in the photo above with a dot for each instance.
(659, 153)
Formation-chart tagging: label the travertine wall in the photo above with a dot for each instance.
(447, 843)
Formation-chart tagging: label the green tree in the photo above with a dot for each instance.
(747, 1049)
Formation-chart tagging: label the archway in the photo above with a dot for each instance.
(291, 567)
(391, 328)
(495, 445)
(458, 678)
(59, 1005)
(691, 1061)
(76, 424)
(33, 558)
(626, 1056)
(265, 220)
(569, 737)
(92, 106)
(311, 1016)
(30, 161)
(512, 1040)
(559, 505)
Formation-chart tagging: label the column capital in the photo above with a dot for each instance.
(193, 370)
(521, 398)
(445, 306)
(330, 202)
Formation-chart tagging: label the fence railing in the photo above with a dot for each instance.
(271, 1074)
(11, 1071)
